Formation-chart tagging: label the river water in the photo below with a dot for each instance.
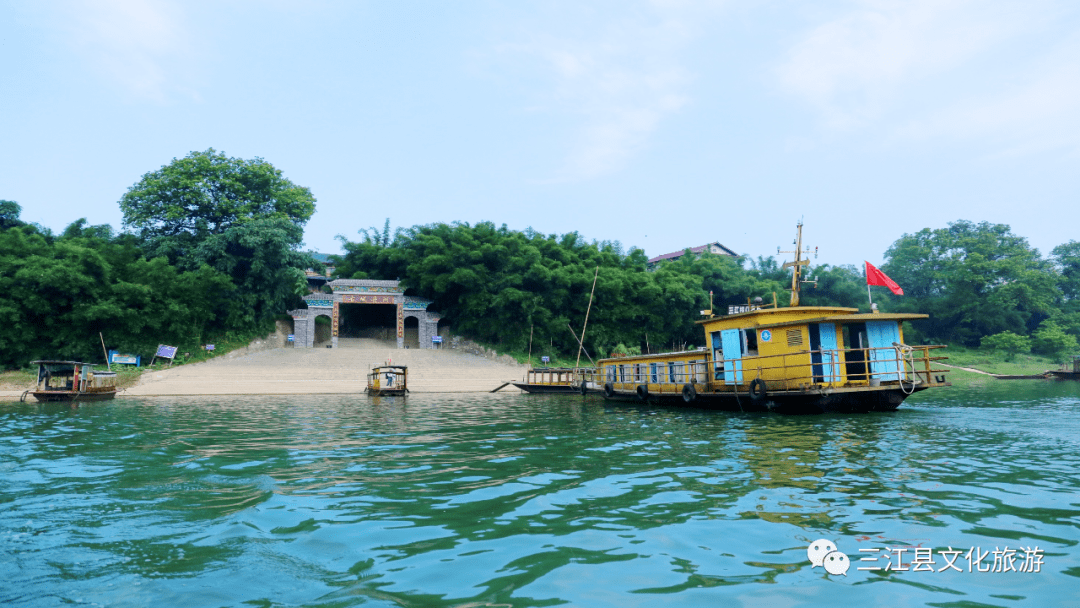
(519, 500)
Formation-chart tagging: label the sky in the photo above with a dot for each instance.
(661, 124)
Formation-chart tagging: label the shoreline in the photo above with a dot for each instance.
(341, 371)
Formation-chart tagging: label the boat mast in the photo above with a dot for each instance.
(581, 342)
(797, 265)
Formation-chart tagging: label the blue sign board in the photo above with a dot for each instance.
(166, 352)
(209, 347)
(545, 359)
(118, 357)
(436, 339)
(291, 338)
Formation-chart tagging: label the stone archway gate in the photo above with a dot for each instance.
(362, 291)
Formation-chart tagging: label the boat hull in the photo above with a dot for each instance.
(53, 396)
(847, 401)
(546, 388)
(386, 392)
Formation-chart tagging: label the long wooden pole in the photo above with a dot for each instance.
(530, 346)
(107, 364)
(581, 342)
(583, 349)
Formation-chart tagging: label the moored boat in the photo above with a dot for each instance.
(72, 381)
(388, 380)
(1066, 374)
(553, 380)
(796, 359)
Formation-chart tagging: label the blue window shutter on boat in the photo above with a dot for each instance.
(827, 340)
(881, 335)
(732, 356)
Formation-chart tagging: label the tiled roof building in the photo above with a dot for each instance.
(715, 248)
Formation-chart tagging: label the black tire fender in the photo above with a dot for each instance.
(609, 390)
(643, 392)
(584, 388)
(689, 393)
(758, 391)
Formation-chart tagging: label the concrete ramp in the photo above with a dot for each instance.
(326, 371)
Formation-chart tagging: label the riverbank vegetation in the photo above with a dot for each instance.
(210, 253)
(979, 283)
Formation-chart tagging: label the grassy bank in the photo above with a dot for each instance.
(993, 362)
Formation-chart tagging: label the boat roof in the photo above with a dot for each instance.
(58, 362)
(677, 353)
(391, 367)
(786, 310)
(880, 316)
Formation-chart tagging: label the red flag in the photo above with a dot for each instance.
(876, 277)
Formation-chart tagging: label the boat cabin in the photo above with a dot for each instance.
(68, 380)
(799, 347)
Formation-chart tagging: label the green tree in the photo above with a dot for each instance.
(9, 214)
(240, 217)
(1066, 259)
(177, 207)
(973, 280)
(59, 292)
(1008, 342)
(1052, 341)
(835, 286)
(496, 284)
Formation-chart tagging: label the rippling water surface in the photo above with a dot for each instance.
(518, 500)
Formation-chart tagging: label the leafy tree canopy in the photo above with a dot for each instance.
(973, 280)
(1008, 342)
(207, 193)
(9, 214)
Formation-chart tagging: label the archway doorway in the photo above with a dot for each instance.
(374, 321)
(323, 330)
(412, 332)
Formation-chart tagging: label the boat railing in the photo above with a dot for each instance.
(559, 376)
(823, 368)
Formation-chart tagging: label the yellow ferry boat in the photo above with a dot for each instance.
(796, 359)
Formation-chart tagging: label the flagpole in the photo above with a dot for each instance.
(866, 270)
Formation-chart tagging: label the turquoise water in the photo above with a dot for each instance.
(518, 500)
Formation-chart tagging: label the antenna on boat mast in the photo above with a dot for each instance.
(797, 265)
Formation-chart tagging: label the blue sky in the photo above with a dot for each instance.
(662, 124)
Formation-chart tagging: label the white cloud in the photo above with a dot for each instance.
(143, 45)
(619, 77)
(1005, 73)
(1039, 110)
(855, 68)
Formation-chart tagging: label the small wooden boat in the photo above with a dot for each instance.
(387, 380)
(553, 380)
(72, 381)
